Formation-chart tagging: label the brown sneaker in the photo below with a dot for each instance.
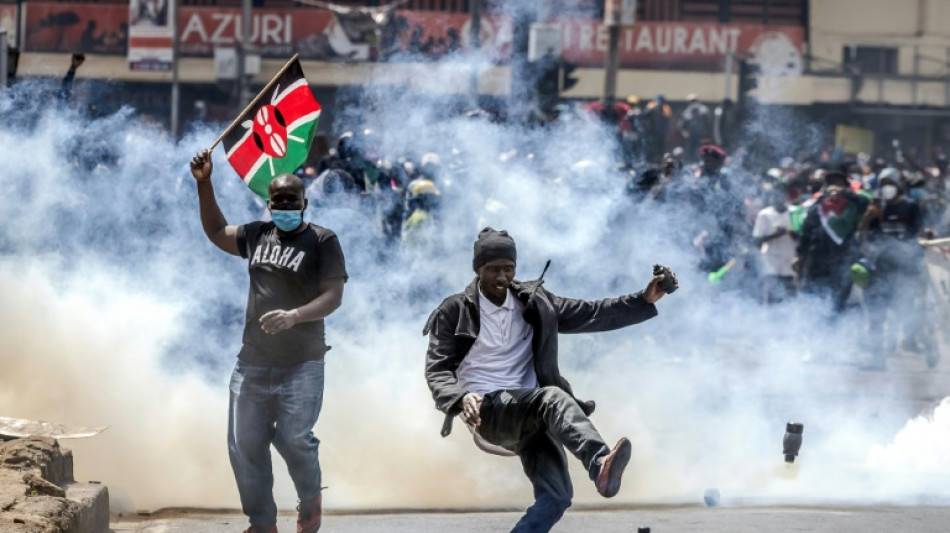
(262, 529)
(611, 469)
(309, 515)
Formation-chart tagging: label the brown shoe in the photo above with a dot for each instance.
(611, 469)
(309, 515)
(262, 529)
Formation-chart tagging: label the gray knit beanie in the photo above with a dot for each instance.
(491, 245)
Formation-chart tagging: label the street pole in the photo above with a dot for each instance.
(242, 48)
(612, 63)
(18, 41)
(475, 13)
(3, 59)
(730, 69)
(176, 89)
(618, 14)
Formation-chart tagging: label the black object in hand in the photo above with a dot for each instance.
(668, 284)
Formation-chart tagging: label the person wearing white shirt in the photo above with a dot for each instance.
(492, 361)
(774, 235)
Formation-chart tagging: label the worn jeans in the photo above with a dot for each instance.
(537, 424)
(279, 406)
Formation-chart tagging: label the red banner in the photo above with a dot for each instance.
(678, 45)
(318, 34)
(55, 27)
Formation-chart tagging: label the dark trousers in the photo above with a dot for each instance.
(537, 424)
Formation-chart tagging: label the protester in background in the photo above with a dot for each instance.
(657, 118)
(633, 133)
(827, 246)
(726, 125)
(896, 287)
(297, 274)
(66, 90)
(719, 209)
(776, 241)
(696, 125)
(493, 361)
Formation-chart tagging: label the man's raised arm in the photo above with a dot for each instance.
(212, 220)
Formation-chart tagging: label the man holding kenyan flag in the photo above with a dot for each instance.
(297, 273)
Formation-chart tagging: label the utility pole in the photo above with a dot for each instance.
(730, 71)
(176, 89)
(3, 59)
(617, 15)
(475, 41)
(612, 63)
(242, 48)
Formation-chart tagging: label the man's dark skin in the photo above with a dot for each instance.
(287, 192)
(494, 277)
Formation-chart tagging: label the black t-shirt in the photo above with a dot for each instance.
(284, 272)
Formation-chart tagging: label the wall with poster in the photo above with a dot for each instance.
(414, 35)
(68, 28)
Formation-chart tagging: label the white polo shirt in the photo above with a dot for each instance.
(501, 356)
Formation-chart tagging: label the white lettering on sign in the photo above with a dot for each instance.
(194, 25)
(644, 41)
(664, 40)
(697, 43)
(603, 37)
(717, 41)
(225, 28)
(734, 39)
(222, 20)
(679, 40)
(671, 39)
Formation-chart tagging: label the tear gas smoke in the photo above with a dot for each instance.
(118, 311)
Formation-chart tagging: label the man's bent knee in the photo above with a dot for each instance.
(552, 393)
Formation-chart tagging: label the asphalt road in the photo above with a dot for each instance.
(925, 386)
(736, 519)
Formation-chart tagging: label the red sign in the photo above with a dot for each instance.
(55, 27)
(318, 34)
(275, 32)
(674, 45)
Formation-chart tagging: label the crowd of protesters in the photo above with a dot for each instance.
(819, 224)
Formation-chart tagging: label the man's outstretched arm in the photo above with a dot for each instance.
(583, 316)
(212, 220)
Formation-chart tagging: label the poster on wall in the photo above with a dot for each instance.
(72, 28)
(150, 35)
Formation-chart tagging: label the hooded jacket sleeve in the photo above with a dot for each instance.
(442, 362)
(587, 316)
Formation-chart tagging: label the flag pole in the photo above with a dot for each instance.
(254, 102)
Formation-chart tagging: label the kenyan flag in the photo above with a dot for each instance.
(839, 216)
(274, 134)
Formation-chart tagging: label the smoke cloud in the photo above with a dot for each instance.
(117, 311)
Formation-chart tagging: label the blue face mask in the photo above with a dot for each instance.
(286, 220)
(916, 193)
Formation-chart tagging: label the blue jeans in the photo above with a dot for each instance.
(279, 406)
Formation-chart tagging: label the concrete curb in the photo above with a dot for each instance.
(39, 495)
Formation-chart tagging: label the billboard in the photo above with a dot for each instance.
(318, 34)
(150, 35)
